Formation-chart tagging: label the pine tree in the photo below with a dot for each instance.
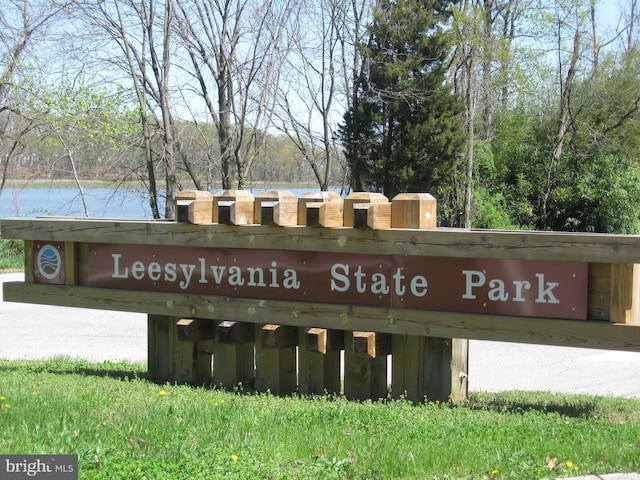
(403, 131)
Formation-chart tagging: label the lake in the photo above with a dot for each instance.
(102, 202)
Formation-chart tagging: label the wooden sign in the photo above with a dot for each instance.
(488, 286)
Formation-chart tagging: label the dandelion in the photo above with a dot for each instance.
(34, 393)
(234, 457)
(494, 472)
(7, 406)
(569, 464)
(215, 404)
(162, 393)
(2, 398)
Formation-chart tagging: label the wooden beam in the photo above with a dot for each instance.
(323, 214)
(414, 210)
(625, 293)
(278, 336)
(372, 215)
(519, 245)
(356, 198)
(201, 211)
(372, 344)
(184, 200)
(533, 330)
(319, 361)
(323, 340)
(313, 197)
(275, 357)
(273, 197)
(235, 332)
(195, 329)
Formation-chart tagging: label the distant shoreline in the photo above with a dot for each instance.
(67, 183)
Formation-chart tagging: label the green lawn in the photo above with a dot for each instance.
(123, 426)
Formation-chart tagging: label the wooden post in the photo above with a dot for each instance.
(233, 354)
(171, 360)
(372, 215)
(194, 206)
(235, 207)
(625, 293)
(360, 198)
(432, 367)
(200, 334)
(319, 360)
(327, 215)
(365, 376)
(276, 358)
(314, 197)
(276, 207)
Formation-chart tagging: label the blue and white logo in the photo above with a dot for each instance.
(49, 262)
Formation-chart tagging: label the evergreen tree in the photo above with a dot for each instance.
(403, 131)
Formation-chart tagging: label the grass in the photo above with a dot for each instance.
(11, 255)
(123, 426)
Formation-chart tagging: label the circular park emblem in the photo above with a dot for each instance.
(49, 262)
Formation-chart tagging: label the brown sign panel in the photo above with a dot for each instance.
(496, 287)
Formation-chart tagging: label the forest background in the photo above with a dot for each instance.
(513, 113)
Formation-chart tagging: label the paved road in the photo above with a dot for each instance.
(35, 331)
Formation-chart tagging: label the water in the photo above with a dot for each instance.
(102, 202)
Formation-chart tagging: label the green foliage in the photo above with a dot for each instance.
(403, 132)
(11, 254)
(122, 426)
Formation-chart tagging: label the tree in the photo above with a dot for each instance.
(235, 49)
(87, 124)
(142, 31)
(403, 131)
(23, 23)
(318, 80)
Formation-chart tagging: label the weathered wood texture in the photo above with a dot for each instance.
(573, 333)
(439, 242)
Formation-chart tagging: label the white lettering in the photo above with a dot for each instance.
(218, 272)
(361, 285)
(137, 270)
(170, 274)
(291, 281)
(399, 285)
(203, 271)
(187, 271)
(545, 290)
(336, 277)
(470, 283)
(419, 286)
(154, 271)
(379, 284)
(520, 285)
(497, 292)
(235, 276)
(256, 273)
(274, 275)
(116, 267)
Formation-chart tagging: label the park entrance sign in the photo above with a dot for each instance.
(509, 287)
(271, 289)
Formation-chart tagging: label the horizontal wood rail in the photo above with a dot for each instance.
(439, 242)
